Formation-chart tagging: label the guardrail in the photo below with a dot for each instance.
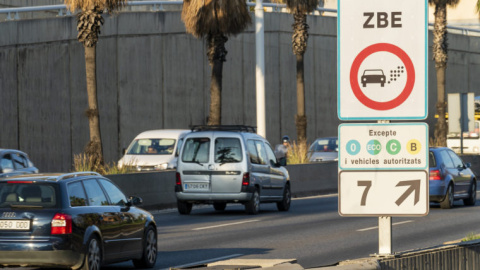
(156, 6)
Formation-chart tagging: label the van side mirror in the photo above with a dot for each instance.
(282, 161)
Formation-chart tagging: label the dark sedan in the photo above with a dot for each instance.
(450, 178)
(77, 220)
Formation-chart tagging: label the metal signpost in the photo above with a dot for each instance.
(382, 76)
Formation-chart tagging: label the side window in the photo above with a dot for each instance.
(19, 161)
(228, 150)
(272, 160)
(196, 150)
(446, 159)
(262, 155)
(95, 193)
(114, 193)
(457, 162)
(252, 152)
(76, 194)
(179, 146)
(6, 162)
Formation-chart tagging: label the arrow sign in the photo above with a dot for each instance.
(414, 186)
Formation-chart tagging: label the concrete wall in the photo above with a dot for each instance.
(157, 188)
(151, 74)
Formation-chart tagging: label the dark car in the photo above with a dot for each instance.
(373, 76)
(76, 220)
(14, 162)
(450, 178)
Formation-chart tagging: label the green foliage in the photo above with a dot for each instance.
(471, 236)
(298, 153)
(83, 162)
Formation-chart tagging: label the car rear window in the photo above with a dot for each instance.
(432, 162)
(28, 194)
(196, 150)
(228, 150)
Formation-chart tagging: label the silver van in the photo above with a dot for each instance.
(229, 164)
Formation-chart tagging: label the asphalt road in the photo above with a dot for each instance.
(312, 232)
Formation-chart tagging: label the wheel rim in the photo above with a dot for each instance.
(256, 201)
(474, 192)
(151, 247)
(93, 255)
(288, 197)
(450, 195)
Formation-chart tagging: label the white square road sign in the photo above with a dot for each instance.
(383, 193)
(382, 59)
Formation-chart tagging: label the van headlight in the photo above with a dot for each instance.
(162, 166)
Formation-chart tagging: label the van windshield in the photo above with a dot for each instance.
(467, 135)
(152, 147)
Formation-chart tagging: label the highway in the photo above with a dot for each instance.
(311, 232)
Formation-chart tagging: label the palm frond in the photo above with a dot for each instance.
(451, 3)
(109, 5)
(302, 6)
(203, 17)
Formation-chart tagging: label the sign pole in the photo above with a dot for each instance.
(385, 235)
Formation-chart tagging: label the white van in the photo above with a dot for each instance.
(154, 150)
(471, 141)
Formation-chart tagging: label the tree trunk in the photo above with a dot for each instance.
(216, 53)
(301, 119)
(440, 56)
(94, 148)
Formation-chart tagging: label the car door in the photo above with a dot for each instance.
(462, 175)
(259, 167)
(227, 167)
(195, 169)
(277, 177)
(109, 219)
(131, 222)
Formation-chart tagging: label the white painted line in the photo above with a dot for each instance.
(373, 228)
(223, 225)
(205, 261)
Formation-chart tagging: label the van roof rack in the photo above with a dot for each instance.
(240, 128)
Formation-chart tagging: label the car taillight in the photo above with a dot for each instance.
(179, 179)
(61, 224)
(246, 179)
(435, 175)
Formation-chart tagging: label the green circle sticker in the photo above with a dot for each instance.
(393, 147)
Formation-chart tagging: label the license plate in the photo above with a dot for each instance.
(15, 225)
(196, 186)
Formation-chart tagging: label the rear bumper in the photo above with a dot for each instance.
(437, 190)
(213, 197)
(38, 254)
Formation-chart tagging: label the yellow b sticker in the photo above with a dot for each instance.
(414, 147)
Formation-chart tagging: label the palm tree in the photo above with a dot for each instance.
(440, 56)
(300, 9)
(89, 21)
(214, 20)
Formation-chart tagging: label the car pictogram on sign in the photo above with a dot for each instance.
(373, 76)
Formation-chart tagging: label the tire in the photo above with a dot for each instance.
(93, 256)
(472, 198)
(184, 208)
(219, 206)
(447, 203)
(253, 206)
(149, 254)
(284, 205)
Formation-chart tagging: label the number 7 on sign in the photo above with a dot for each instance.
(367, 184)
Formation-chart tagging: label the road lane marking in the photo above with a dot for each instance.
(376, 227)
(205, 261)
(223, 225)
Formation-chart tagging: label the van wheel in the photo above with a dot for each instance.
(93, 256)
(447, 203)
(184, 208)
(149, 255)
(472, 199)
(253, 206)
(284, 204)
(219, 206)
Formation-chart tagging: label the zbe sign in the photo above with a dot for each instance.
(382, 60)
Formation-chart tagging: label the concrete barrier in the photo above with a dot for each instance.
(157, 188)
